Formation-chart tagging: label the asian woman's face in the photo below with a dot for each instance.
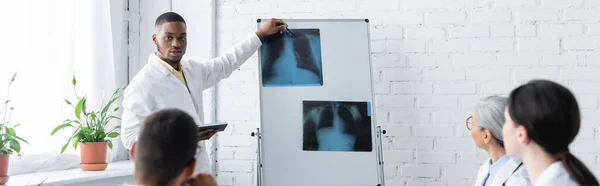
(512, 135)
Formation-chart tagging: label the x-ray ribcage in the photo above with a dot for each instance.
(288, 60)
(336, 126)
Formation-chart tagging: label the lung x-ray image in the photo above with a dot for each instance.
(337, 126)
(292, 60)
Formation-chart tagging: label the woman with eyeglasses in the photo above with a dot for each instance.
(542, 119)
(486, 130)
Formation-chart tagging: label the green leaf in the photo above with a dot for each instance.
(113, 117)
(92, 117)
(84, 107)
(74, 81)
(61, 127)
(13, 77)
(68, 102)
(73, 121)
(113, 135)
(107, 106)
(115, 128)
(17, 125)
(109, 144)
(65, 146)
(85, 135)
(10, 131)
(76, 142)
(14, 136)
(78, 108)
(4, 151)
(15, 145)
(116, 109)
(100, 135)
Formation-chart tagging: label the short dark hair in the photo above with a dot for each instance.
(168, 17)
(166, 145)
(550, 113)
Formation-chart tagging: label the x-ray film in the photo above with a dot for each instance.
(292, 60)
(337, 126)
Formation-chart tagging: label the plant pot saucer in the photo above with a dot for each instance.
(4, 179)
(93, 167)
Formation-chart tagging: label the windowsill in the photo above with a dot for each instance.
(73, 176)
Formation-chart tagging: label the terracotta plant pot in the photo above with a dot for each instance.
(4, 169)
(93, 156)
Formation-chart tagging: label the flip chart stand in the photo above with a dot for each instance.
(379, 135)
(259, 158)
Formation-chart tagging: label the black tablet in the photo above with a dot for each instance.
(220, 126)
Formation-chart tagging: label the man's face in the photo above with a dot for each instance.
(171, 41)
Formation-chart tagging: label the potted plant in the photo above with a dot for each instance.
(90, 130)
(9, 141)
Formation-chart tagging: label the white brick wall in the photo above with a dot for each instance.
(433, 60)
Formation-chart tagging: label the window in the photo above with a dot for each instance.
(46, 43)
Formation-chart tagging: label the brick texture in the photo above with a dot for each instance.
(433, 60)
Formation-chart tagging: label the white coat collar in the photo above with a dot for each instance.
(554, 175)
(503, 173)
(482, 172)
(507, 170)
(160, 68)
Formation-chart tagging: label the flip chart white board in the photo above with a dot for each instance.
(316, 100)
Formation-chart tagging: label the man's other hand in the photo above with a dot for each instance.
(202, 180)
(206, 134)
(272, 26)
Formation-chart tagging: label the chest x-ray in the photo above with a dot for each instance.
(292, 60)
(337, 126)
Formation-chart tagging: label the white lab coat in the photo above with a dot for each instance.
(555, 175)
(513, 172)
(155, 88)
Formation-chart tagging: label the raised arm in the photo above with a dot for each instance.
(221, 67)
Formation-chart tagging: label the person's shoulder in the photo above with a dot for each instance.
(145, 77)
(519, 177)
(485, 163)
(518, 181)
(483, 167)
(139, 81)
(193, 64)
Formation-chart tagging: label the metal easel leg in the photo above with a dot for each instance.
(380, 155)
(259, 158)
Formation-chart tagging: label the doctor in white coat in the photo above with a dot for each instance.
(485, 127)
(170, 81)
(542, 119)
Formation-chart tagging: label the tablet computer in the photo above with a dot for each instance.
(219, 126)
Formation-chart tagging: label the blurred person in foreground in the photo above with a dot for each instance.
(164, 154)
(542, 119)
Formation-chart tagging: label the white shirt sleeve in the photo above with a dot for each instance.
(221, 67)
(137, 105)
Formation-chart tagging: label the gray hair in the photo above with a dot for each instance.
(489, 112)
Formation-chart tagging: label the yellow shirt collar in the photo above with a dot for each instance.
(177, 73)
(169, 67)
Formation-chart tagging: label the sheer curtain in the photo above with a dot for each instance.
(47, 42)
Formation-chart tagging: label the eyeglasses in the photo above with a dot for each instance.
(469, 122)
